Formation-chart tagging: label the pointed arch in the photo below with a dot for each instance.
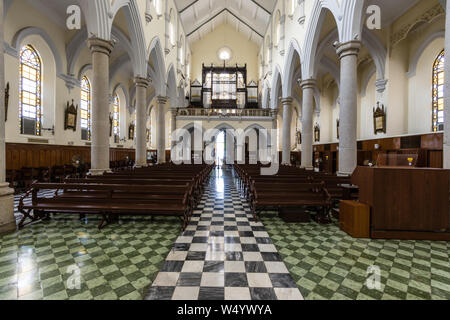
(136, 31)
(312, 38)
(172, 86)
(29, 31)
(277, 87)
(155, 53)
(294, 52)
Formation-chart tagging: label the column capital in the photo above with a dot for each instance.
(308, 84)
(273, 112)
(162, 100)
(141, 82)
(348, 48)
(287, 101)
(174, 111)
(100, 45)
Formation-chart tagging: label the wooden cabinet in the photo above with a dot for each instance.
(354, 219)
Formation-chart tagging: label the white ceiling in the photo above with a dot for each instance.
(392, 10)
(250, 17)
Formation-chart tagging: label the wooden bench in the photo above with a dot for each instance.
(107, 201)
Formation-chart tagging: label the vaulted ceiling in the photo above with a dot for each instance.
(250, 17)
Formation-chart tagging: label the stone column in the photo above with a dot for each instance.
(161, 129)
(173, 128)
(141, 121)
(308, 87)
(287, 120)
(447, 91)
(274, 138)
(274, 115)
(173, 122)
(100, 49)
(7, 219)
(348, 54)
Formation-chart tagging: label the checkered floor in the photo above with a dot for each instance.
(119, 262)
(326, 263)
(224, 254)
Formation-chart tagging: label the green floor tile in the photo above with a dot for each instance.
(326, 263)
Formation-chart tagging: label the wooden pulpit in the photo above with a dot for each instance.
(406, 203)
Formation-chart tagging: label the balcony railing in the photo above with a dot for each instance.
(223, 113)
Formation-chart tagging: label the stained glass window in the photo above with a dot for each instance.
(30, 91)
(438, 93)
(86, 109)
(116, 116)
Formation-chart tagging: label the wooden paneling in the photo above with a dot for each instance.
(435, 159)
(429, 146)
(410, 200)
(433, 141)
(19, 155)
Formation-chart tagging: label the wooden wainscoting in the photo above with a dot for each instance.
(428, 146)
(20, 155)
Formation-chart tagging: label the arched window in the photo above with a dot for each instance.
(292, 6)
(172, 28)
(85, 109)
(181, 51)
(158, 7)
(438, 93)
(116, 117)
(30, 91)
(277, 28)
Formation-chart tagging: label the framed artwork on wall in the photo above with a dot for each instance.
(70, 117)
(379, 119)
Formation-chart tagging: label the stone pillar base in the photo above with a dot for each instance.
(7, 219)
(99, 172)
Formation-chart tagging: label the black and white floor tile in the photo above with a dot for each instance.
(224, 254)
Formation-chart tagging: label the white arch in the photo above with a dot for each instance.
(136, 32)
(415, 60)
(312, 38)
(97, 17)
(125, 93)
(156, 53)
(29, 31)
(77, 44)
(172, 86)
(289, 67)
(83, 70)
(276, 84)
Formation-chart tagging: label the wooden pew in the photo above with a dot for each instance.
(107, 200)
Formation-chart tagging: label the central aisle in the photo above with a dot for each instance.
(224, 254)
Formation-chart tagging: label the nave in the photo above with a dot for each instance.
(137, 258)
